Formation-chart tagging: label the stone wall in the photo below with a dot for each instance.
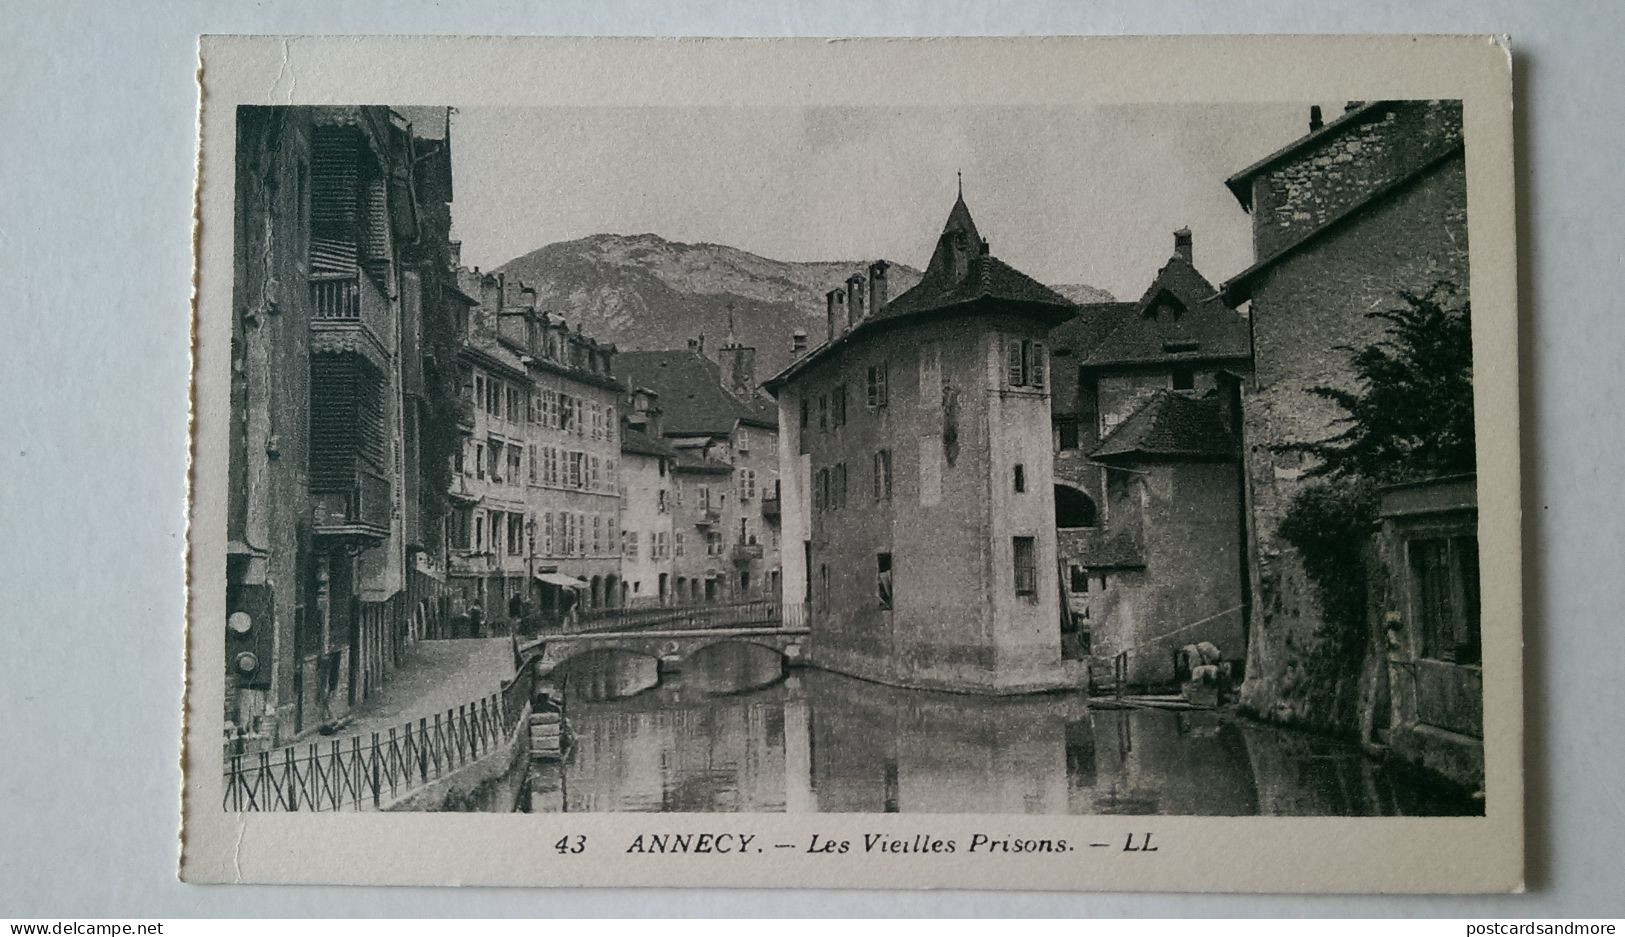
(1307, 312)
(1380, 146)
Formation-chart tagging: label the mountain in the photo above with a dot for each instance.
(643, 292)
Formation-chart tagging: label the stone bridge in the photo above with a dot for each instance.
(670, 646)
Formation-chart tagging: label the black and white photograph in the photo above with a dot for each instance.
(981, 460)
(807, 460)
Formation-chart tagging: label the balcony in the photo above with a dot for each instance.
(745, 552)
(770, 506)
(707, 515)
(360, 515)
(348, 312)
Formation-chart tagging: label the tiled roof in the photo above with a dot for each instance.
(1118, 549)
(1170, 425)
(988, 278)
(693, 401)
(961, 272)
(641, 443)
(1202, 327)
(1080, 334)
(495, 354)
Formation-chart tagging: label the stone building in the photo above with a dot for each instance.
(537, 531)
(648, 506)
(1427, 703)
(341, 229)
(1148, 491)
(713, 414)
(700, 546)
(1345, 219)
(916, 477)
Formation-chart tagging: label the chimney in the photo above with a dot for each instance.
(693, 345)
(1315, 121)
(798, 342)
(455, 250)
(1182, 244)
(1353, 106)
(877, 286)
(832, 310)
(854, 299)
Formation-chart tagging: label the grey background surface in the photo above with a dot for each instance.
(97, 108)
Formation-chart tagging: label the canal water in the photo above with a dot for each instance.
(732, 733)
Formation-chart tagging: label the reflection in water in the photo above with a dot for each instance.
(728, 734)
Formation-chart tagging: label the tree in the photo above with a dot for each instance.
(1412, 415)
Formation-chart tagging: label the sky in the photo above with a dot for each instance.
(1067, 195)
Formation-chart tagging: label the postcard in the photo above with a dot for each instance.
(1064, 463)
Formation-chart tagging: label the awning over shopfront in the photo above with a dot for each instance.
(562, 581)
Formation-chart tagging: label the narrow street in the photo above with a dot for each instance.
(435, 676)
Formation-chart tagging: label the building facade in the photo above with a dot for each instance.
(1148, 489)
(712, 412)
(648, 480)
(1346, 219)
(536, 532)
(341, 221)
(1427, 707)
(915, 474)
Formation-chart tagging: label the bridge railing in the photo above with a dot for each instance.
(363, 773)
(764, 613)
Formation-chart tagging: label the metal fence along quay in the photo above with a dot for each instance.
(367, 773)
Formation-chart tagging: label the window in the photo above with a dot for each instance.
(1024, 363)
(883, 579)
(547, 533)
(494, 461)
(838, 406)
(840, 485)
(823, 411)
(1078, 579)
(883, 475)
(495, 527)
(479, 459)
(679, 539)
(516, 404)
(1026, 567)
(1184, 379)
(597, 534)
(713, 543)
(457, 525)
(747, 484)
(804, 409)
(821, 491)
(479, 532)
(515, 468)
(1445, 596)
(577, 477)
(1021, 479)
(742, 442)
(1073, 508)
(479, 389)
(516, 534)
(631, 544)
(457, 458)
(875, 392)
(1066, 434)
(566, 412)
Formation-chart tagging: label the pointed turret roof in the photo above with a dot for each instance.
(962, 275)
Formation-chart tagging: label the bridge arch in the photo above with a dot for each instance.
(1073, 508)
